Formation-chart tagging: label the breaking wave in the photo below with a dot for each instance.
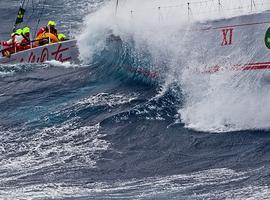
(163, 52)
(135, 118)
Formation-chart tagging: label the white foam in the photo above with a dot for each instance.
(4, 74)
(223, 102)
(208, 184)
(103, 99)
(49, 147)
(228, 101)
(56, 63)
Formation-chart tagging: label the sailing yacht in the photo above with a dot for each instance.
(60, 51)
(238, 42)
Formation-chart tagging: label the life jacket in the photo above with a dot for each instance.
(26, 42)
(18, 40)
(45, 37)
(40, 31)
(26, 38)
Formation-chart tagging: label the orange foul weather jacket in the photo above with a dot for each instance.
(46, 30)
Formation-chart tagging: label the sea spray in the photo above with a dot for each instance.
(180, 50)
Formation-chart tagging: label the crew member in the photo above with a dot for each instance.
(10, 42)
(50, 28)
(26, 42)
(7, 45)
(18, 36)
(62, 37)
(47, 34)
(12, 45)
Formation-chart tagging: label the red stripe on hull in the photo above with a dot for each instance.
(245, 67)
(239, 25)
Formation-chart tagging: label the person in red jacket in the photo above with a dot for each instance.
(12, 46)
(26, 42)
(10, 42)
(50, 28)
(8, 46)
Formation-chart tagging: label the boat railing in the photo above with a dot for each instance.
(196, 8)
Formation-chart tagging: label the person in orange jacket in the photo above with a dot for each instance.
(50, 28)
(47, 34)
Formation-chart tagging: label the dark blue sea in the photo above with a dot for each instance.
(123, 123)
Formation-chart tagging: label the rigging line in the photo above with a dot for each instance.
(200, 2)
(39, 16)
(219, 5)
(41, 13)
(205, 2)
(32, 13)
(116, 7)
(22, 3)
(189, 11)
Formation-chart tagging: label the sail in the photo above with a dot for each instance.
(36, 7)
(116, 6)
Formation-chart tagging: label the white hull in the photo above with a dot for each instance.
(61, 51)
(237, 44)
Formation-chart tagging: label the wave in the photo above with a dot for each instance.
(165, 52)
(207, 184)
(135, 119)
(11, 70)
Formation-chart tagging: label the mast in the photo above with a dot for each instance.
(189, 10)
(219, 5)
(252, 4)
(116, 6)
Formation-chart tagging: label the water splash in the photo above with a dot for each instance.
(173, 48)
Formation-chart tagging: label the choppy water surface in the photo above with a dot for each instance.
(114, 126)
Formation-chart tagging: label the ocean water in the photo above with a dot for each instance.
(129, 121)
